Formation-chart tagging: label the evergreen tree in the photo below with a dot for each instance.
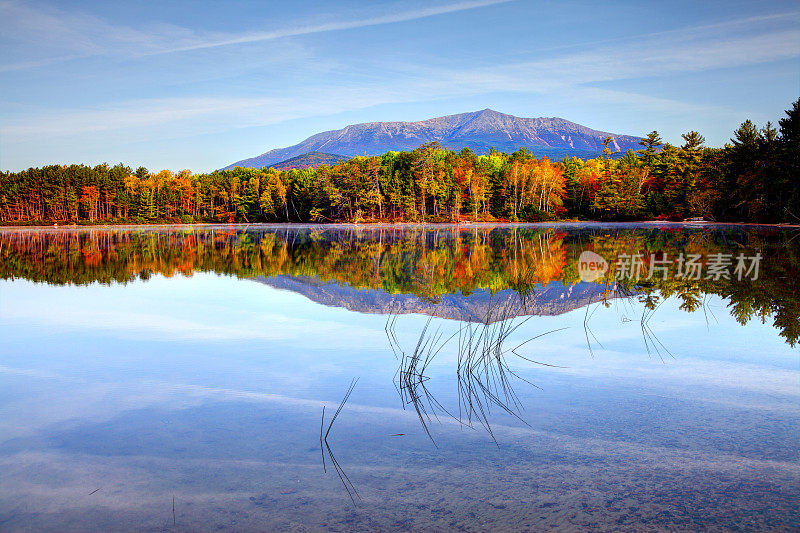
(651, 142)
(790, 159)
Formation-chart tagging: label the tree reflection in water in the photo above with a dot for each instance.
(430, 264)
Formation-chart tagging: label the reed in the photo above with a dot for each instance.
(484, 376)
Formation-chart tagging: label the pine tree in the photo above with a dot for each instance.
(651, 143)
(790, 159)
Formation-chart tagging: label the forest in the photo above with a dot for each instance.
(754, 178)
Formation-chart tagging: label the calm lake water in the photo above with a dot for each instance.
(174, 378)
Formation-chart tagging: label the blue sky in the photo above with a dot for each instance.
(201, 84)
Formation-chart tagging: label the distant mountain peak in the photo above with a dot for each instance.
(478, 130)
(489, 112)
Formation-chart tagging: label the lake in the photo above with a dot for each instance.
(361, 378)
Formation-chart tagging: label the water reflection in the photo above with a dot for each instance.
(485, 378)
(196, 364)
(324, 446)
(442, 271)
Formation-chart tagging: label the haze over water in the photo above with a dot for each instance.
(495, 390)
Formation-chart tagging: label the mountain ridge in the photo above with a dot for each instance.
(482, 305)
(308, 160)
(477, 130)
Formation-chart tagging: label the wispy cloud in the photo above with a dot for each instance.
(144, 113)
(160, 320)
(85, 35)
(160, 327)
(656, 57)
(390, 18)
(42, 36)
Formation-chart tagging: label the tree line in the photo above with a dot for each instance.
(754, 178)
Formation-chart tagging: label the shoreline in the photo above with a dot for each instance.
(398, 225)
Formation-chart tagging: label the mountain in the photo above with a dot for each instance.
(309, 160)
(479, 130)
(481, 306)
